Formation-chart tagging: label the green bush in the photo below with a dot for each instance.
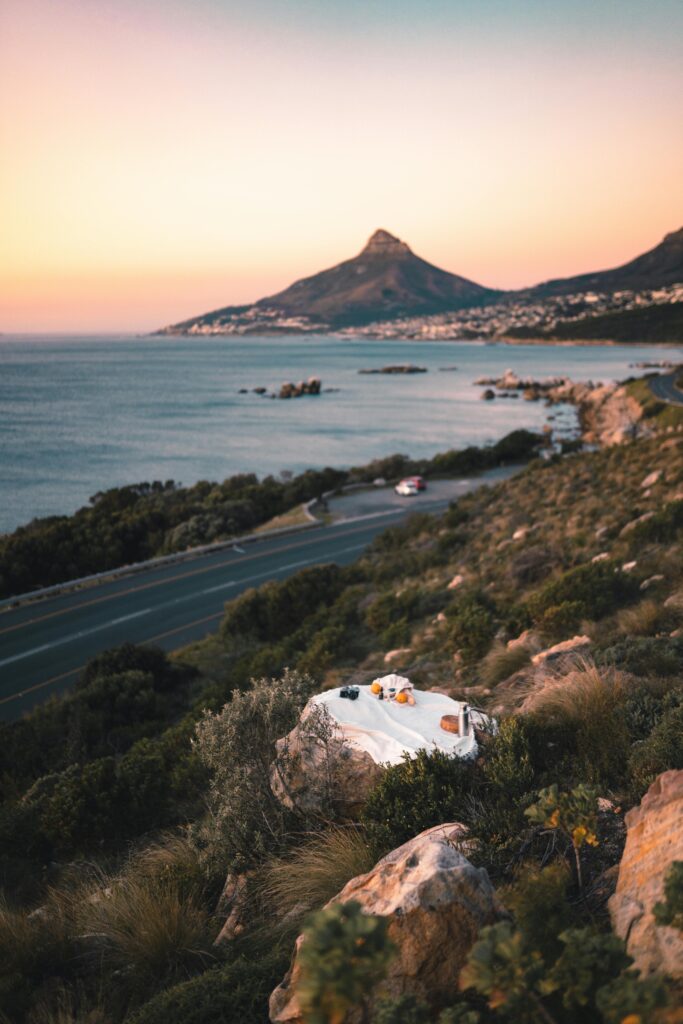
(404, 1010)
(662, 527)
(670, 911)
(662, 750)
(539, 901)
(507, 765)
(276, 609)
(470, 626)
(587, 982)
(645, 656)
(414, 795)
(592, 591)
(247, 820)
(234, 994)
(344, 954)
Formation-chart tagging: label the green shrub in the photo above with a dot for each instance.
(645, 656)
(662, 527)
(670, 911)
(404, 1010)
(574, 813)
(507, 764)
(344, 954)
(236, 993)
(538, 899)
(593, 591)
(237, 746)
(662, 750)
(416, 794)
(587, 982)
(470, 626)
(276, 609)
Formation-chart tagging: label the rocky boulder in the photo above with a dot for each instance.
(436, 903)
(312, 762)
(654, 840)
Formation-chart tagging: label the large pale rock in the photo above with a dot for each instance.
(576, 646)
(654, 840)
(436, 903)
(311, 768)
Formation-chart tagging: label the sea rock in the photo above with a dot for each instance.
(488, 395)
(304, 387)
(654, 840)
(577, 645)
(306, 760)
(402, 368)
(436, 902)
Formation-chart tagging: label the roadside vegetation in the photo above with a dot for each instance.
(130, 524)
(132, 807)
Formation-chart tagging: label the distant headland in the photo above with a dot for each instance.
(388, 291)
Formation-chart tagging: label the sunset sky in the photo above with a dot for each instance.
(159, 158)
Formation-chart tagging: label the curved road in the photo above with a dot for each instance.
(45, 644)
(664, 387)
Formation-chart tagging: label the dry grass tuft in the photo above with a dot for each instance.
(585, 692)
(67, 1007)
(502, 662)
(148, 928)
(647, 618)
(303, 881)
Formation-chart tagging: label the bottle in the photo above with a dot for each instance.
(464, 720)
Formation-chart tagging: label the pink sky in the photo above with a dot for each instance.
(160, 159)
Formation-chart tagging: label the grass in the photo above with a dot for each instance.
(314, 872)
(151, 931)
(502, 662)
(647, 618)
(658, 413)
(295, 517)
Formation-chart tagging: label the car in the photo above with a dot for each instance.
(407, 488)
(419, 482)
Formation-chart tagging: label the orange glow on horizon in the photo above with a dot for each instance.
(158, 163)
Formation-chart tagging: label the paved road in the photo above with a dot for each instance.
(44, 645)
(663, 387)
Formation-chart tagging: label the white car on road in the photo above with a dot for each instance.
(407, 488)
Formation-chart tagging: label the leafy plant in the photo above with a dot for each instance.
(343, 955)
(421, 791)
(573, 813)
(670, 910)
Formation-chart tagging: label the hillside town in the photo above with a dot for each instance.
(515, 312)
(512, 313)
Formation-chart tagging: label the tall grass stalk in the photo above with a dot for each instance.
(307, 878)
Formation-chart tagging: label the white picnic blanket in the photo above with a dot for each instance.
(387, 730)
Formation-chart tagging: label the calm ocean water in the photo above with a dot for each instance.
(80, 414)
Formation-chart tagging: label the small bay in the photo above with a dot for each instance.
(82, 414)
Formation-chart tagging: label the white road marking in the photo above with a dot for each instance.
(167, 604)
(74, 636)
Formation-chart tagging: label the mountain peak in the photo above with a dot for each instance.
(383, 243)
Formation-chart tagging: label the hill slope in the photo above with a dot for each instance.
(659, 266)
